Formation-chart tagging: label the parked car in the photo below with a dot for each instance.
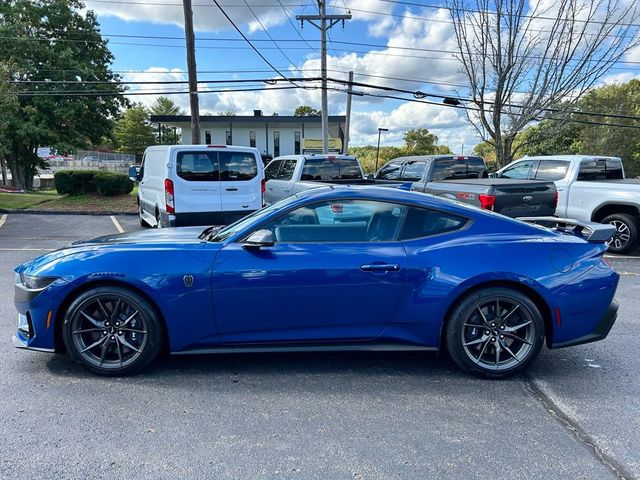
(420, 273)
(592, 188)
(182, 185)
(288, 175)
(464, 178)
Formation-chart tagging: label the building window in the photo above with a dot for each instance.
(276, 143)
(207, 137)
(296, 143)
(252, 138)
(228, 137)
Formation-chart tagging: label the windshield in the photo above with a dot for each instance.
(230, 230)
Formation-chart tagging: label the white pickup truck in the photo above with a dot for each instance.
(591, 188)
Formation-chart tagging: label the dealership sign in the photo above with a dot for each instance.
(314, 145)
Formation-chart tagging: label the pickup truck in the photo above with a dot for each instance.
(288, 175)
(464, 178)
(592, 188)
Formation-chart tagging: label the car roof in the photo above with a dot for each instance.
(567, 157)
(428, 158)
(232, 148)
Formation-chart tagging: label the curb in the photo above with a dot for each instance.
(52, 212)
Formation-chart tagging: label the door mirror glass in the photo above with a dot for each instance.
(134, 174)
(259, 238)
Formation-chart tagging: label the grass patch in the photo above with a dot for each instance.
(27, 200)
(91, 202)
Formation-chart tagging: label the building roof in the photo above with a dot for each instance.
(246, 119)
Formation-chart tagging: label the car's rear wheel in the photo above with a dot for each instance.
(495, 332)
(112, 331)
(627, 235)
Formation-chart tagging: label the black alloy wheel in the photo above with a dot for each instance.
(495, 332)
(112, 331)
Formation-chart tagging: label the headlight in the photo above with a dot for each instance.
(35, 283)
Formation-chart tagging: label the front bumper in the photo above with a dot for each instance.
(600, 332)
(19, 343)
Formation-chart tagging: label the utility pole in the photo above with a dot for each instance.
(323, 26)
(380, 130)
(191, 68)
(345, 148)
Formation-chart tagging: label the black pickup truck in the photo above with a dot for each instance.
(464, 178)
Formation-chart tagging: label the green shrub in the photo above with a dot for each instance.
(75, 182)
(111, 184)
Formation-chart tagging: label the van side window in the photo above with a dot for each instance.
(198, 166)
(237, 166)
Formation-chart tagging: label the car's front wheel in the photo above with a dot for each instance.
(495, 332)
(112, 331)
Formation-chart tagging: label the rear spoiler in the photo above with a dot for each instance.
(595, 232)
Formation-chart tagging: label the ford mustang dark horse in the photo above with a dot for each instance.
(331, 268)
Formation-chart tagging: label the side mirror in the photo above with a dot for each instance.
(258, 239)
(134, 173)
(493, 175)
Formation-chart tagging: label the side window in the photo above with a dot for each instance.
(476, 168)
(237, 166)
(198, 166)
(451, 169)
(413, 171)
(520, 171)
(600, 169)
(271, 171)
(323, 169)
(552, 170)
(391, 171)
(287, 169)
(422, 222)
(340, 221)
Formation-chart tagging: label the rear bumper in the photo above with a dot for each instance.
(600, 332)
(204, 218)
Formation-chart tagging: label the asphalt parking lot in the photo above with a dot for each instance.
(576, 414)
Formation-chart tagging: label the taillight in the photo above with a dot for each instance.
(263, 190)
(168, 196)
(555, 200)
(487, 202)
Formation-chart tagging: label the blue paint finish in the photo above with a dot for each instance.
(299, 292)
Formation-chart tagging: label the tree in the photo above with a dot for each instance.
(8, 108)
(227, 113)
(133, 131)
(549, 137)
(306, 111)
(166, 106)
(523, 58)
(48, 68)
(418, 141)
(486, 150)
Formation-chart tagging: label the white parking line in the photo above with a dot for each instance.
(117, 224)
(3, 219)
(622, 257)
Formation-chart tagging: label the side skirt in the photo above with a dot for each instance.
(377, 347)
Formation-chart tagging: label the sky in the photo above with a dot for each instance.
(147, 40)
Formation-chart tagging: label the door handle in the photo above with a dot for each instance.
(231, 189)
(384, 267)
(269, 188)
(287, 190)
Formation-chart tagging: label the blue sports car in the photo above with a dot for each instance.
(342, 268)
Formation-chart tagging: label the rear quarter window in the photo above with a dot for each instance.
(423, 222)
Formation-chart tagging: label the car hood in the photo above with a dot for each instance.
(160, 235)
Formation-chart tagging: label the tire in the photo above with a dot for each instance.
(133, 337)
(473, 331)
(626, 238)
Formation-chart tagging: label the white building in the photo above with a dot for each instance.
(272, 135)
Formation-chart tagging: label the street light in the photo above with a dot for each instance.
(380, 130)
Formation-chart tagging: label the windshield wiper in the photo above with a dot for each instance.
(208, 232)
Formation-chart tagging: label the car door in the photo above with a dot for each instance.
(556, 171)
(240, 184)
(270, 173)
(281, 185)
(321, 280)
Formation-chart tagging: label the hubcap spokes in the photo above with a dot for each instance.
(622, 235)
(109, 332)
(498, 334)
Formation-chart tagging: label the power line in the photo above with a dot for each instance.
(169, 92)
(247, 40)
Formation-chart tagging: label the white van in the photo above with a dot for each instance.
(184, 185)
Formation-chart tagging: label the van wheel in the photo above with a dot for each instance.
(626, 237)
